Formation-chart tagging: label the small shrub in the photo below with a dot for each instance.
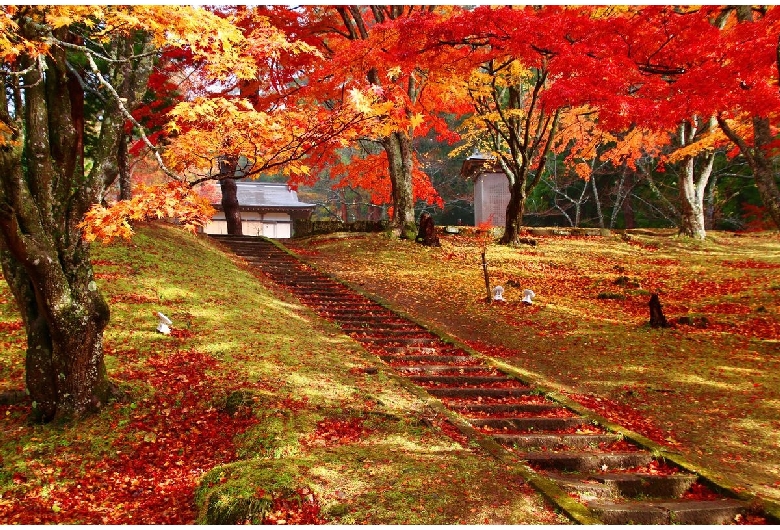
(611, 296)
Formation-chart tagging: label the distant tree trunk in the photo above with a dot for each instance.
(760, 163)
(628, 210)
(125, 187)
(599, 213)
(692, 187)
(227, 166)
(398, 147)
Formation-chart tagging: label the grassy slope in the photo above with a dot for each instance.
(712, 394)
(249, 376)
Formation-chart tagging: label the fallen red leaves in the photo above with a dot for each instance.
(300, 508)
(336, 431)
(625, 416)
(152, 461)
(11, 326)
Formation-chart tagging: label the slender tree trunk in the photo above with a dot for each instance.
(125, 186)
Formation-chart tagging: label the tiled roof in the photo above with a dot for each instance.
(268, 195)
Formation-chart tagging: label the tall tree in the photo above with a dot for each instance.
(374, 59)
(52, 58)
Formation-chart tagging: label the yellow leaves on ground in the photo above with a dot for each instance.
(175, 200)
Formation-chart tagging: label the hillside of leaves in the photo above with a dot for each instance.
(708, 386)
(252, 409)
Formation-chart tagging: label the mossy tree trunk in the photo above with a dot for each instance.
(398, 147)
(44, 194)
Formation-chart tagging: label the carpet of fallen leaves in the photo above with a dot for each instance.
(155, 451)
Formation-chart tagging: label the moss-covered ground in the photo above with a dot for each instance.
(252, 409)
(707, 387)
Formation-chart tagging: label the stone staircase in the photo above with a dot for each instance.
(614, 481)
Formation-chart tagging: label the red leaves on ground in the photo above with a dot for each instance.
(625, 416)
(181, 333)
(8, 327)
(153, 458)
(335, 431)
(132, 298)
(301, 508)
(751, 264)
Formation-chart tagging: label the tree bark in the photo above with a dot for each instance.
(398, 147)
(227, 166)
(692, 186)
(514, 213)
(44, 194)
(760, 163)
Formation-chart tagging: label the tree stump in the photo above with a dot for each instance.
(657, 318)
(427, 231)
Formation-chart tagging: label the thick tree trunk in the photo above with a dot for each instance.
(692, 186)
(692, 190)
(44, 194)
(65, 373)
(514, 214)
(230, 197)
(399, 155)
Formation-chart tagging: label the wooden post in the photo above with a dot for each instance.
(657, 318)
(485, 271)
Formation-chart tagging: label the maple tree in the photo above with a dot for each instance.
(373, 59)
(692, 64)
(53, 56)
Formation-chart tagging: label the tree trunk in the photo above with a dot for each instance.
(44, 194)
(125, 186)
(514, 213)
(692, 190)
(65, 373)
(227, 166)
(759, 163)
(763, 173)
(398, 147)
(692, 186)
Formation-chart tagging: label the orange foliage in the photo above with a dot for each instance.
(175, 200)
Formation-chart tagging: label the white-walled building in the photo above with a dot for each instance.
(491, 190)
(267, 209)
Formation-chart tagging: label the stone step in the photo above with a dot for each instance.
(390, 359)
(411, 351)
(630, 484)
(554, 441)
(539, 423)
(411, 341)
(500, 407)
(476, 393)
(439, 368)
(460, 380)
(715, 512)
(586, 461)
(394, 333)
